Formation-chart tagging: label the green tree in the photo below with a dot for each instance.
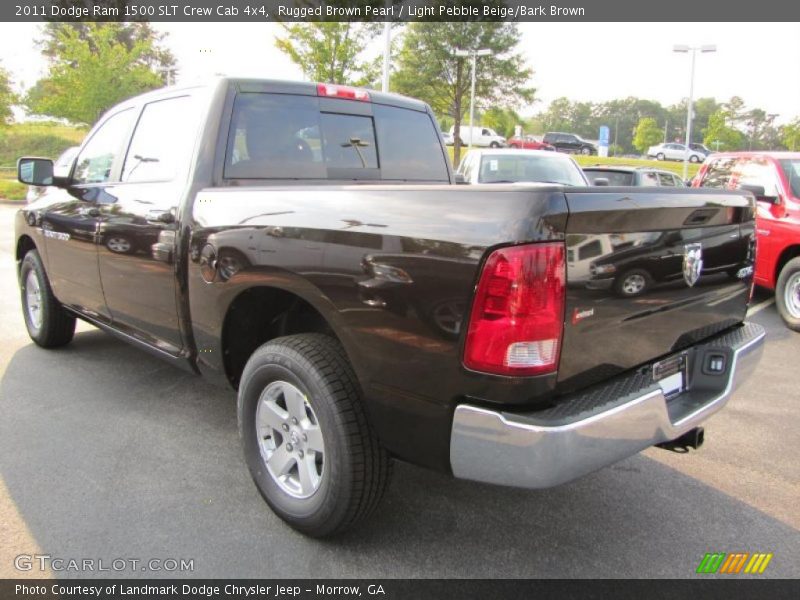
(331, 52)
(647, 134)
(790, 135)
(428, 68)
(91, 70)
(502, 120)
(719, 135)
(7, 97)
(151, 51)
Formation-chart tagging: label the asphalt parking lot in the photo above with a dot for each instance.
(106, 453)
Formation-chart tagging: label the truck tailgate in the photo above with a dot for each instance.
(650, 273)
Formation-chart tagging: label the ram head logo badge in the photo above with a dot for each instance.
(692, 263)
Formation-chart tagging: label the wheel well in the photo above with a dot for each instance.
(787, 255)
(260, 314)
(24, 245)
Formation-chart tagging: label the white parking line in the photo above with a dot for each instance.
(760, 306)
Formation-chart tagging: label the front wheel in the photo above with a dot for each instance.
(494, 145)
(633, 283)
(694, 158)
(586, 151)
(48, 324)
(306, 438)
(660, 156)
(787, 294)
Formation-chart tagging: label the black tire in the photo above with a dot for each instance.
(356, 469)
(494, 145)
(694, 158)
(586, 151)
(660, 156)
(622, 285)
(57, 327)
(788, 282)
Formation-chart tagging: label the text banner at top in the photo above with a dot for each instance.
(400, 10)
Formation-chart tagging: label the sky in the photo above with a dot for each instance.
(582, 61)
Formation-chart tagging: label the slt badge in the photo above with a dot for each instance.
(692, 263)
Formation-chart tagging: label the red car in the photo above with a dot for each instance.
(528, 142)
(774, 179)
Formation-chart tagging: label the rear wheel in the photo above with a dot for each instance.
(787, 294)
(48, 324)
(633, 283)
(306, 438)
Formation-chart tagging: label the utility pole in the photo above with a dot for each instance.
(690, 107)
(474, 54)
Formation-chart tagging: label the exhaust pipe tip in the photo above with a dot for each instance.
(693, 438)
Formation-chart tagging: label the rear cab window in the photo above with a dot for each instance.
(288, 136)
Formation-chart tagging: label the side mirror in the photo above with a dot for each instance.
(601, 181)
(35, 171)
(759, 192)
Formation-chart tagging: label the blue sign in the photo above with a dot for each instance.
(604, 135)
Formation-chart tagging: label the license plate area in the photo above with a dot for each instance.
(670, 375)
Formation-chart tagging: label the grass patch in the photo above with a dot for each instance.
(12, 190)
(36, 139)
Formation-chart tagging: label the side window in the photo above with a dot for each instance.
(590, 250)
(162, 142)
(678, 181)
(648, 179)
(666, 180)
(718, 174)
(758, 171)
(96, 159)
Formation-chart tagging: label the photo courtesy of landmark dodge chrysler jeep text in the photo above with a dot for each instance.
(307, 245)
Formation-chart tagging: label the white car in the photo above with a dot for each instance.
(447, 137)
(483, 137)
(521, 166)
(673, 151)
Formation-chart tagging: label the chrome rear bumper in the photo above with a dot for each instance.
(591, 430)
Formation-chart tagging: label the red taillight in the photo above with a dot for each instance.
(517, 317)
(342, 91)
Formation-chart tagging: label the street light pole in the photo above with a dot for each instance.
(690, 107)
(474, 54)
(387, 50)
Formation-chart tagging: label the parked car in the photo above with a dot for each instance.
(674, 151)
(482, 137)
(528, 142)
(774, 179)
(636, 176)
(447, 137)
(517, 166)
(409, 318)
(61, 168)
(569, 142)
(702, 148)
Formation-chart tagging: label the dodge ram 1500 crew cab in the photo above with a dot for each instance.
(307, 245)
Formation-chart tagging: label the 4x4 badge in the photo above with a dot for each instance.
(692, 263)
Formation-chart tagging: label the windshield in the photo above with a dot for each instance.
(791, 168)
(614, 177)
(512, 168)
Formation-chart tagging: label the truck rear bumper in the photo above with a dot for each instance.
(593, 429)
